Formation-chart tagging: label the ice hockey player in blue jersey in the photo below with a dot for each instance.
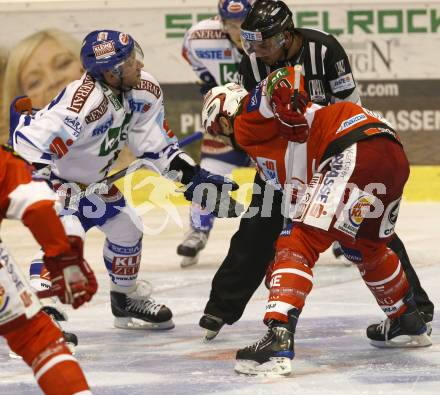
(80, 135)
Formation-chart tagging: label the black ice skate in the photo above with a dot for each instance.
(212, 325)
(407, 330)
(194, 242)
(271, 355)
(136, 310)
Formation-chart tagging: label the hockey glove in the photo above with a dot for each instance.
(72, 278)
(210, 191)
(289, 110)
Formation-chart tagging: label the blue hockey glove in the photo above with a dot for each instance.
(211, 191)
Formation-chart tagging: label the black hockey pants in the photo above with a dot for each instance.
(252, 249)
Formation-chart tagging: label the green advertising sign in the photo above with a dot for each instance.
(348, 22)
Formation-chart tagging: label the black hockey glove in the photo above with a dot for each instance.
(211, 191)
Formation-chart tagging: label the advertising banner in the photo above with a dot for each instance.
(393, 47)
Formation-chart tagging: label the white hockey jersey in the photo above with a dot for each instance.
(207, 48)
(82, 131)
(215, 60)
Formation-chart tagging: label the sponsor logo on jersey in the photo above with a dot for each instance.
(269, 169)
(359, 210)
(342, 83)
(210, 34)
(59, 147)
(146, 85)
(81, 94)
(6, 261)
(352, 254)
(228, 73)
(100, 129)
(126, 265)
(316, 91)
(73, 124)
(98, 112)
(255, 99)
(138, 106)
(389, 219)
(114, 137)
(251, 36)
(340, 67)
(214, 53)
(351, 121)
(4, 299)
(104, 50)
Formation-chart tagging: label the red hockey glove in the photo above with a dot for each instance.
(72, 278)
(292, 124)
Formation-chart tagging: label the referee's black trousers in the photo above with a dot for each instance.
(252, 248)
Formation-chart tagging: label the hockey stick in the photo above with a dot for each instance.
(287, 196)
(103, 185)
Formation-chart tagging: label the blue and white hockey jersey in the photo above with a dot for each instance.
(82, 131)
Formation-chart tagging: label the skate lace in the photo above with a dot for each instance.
(384, 326)
(266, 339)
(147, 306)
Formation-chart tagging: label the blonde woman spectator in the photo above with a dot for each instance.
(40, 66)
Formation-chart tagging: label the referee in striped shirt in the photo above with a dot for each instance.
(271, 41)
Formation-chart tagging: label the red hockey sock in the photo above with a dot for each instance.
(42, 346)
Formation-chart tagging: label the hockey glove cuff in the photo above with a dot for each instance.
(211, 192)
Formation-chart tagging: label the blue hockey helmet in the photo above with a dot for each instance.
(233, 9)
(105, 50)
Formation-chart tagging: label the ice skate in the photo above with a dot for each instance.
(194, 242)
(212, 326)
(189, 261)
(137, 310)
(406, 331)
(270, 356)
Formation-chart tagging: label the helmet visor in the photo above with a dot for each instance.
(253, 43)
(136, 56)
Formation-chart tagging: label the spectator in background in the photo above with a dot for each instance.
(40, 66)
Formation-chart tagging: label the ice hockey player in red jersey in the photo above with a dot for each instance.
(343, 169)
(30, 332)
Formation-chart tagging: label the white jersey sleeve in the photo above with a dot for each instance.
(52, 130)
(150, 137)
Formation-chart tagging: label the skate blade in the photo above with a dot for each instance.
(210, 335)
(404, 341)
(276, 367)
(189, 261)
(71, 347)
(13, 355)
(137, 324)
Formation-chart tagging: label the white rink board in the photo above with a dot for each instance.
(332, 353)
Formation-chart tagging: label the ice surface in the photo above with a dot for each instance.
(333, 355)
